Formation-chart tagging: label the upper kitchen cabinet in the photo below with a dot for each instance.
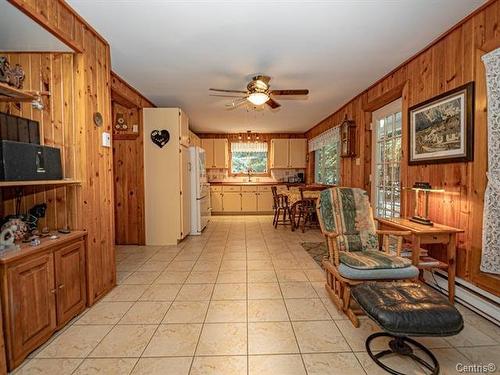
(298, 153)
(216, 152)
(184, 135)
(288, 153)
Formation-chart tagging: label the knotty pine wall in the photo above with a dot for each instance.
(80, 86)
(54, 73)
(128, 163)
(450, 62)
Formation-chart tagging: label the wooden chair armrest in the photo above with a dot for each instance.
(394, 232)
(385, 242)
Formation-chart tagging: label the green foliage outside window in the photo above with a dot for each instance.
(241, 162)
(327, 164)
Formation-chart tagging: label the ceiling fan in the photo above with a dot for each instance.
(258, 93)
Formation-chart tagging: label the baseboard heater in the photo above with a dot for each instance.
(472, 297)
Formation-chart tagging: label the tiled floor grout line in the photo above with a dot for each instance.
(282, 252)
(113, 326)
(208, 307)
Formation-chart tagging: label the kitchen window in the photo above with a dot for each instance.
(249, 157)
(326, 149)
(387, 133)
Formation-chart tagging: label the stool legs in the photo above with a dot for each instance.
(399, 345)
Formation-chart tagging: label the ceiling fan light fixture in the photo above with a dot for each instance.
(258, 98)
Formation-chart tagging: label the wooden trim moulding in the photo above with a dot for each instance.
(24, 7)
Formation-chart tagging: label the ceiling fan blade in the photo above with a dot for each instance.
(290, 92)
(236, 103)
(223, 90)
(273, 104)
(227, 96)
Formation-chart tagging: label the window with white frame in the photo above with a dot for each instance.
(247, 157)
(386, 177)
(326, 149)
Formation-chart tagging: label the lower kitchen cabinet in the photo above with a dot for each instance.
(216, 201)
(248, 201)
(231, 201)
(245, 199)
(265, 201)
(42, 289)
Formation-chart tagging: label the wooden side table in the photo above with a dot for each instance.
(425, 234)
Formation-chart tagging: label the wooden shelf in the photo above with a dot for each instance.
(39, 183)
(11, 94)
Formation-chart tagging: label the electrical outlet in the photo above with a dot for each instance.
(106, 139)
(135, 128)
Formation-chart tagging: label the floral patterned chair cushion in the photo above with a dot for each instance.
(369, 260)
(347, 212)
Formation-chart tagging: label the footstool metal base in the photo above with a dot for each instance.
(399, 345)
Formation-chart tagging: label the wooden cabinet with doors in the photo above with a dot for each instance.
(298, 153)
(288, 153)
(264, 199)
(279, 153)
(183, 128)
(232, 201)
(216, 198)
(216, 152)
(42, 289)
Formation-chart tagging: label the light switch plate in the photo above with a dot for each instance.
(106, 139)
(135, 128)
(358, 161)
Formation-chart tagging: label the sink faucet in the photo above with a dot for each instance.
(249, 173)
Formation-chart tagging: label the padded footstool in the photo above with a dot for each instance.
(405, 309)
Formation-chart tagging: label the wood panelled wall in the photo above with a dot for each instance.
(54, 73)
(80, 86)
(449, 62)
(128, 163)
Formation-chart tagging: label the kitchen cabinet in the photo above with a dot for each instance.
(194, 140)
(42, 289)
(167, 182)
(298, 153)
(221, 149)
(183, 129)
(241, 198)
(279, 153)
(216, 152)
(249, 201)
(231, 201)
(208, 146)
(288, 153)
(265, 200)
(69, 265)
(216, 200)
(31, 306)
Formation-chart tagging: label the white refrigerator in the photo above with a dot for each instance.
(200, 191)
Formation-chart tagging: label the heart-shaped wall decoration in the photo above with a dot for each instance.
(160, 137)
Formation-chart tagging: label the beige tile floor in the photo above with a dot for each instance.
(243, 298)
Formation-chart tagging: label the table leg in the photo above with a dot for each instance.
(452, 266)
(415, 254)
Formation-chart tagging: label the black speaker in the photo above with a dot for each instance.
(27, 161)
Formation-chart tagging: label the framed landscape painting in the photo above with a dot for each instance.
(441, 130)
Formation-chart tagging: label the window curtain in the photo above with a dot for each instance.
(328, 137)
(249, 147)
(490, 258)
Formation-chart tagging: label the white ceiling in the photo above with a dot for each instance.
(173, 51)
(18, 32)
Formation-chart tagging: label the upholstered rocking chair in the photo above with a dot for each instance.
(346, 220)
